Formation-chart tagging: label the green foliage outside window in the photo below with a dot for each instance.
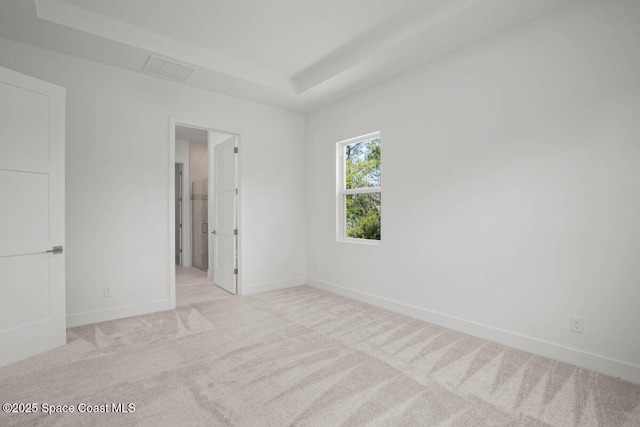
(362, 170)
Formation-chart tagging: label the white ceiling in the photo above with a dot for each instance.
(295, 54)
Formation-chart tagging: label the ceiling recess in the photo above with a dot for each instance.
(167, 69)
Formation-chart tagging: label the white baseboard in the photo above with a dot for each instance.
(112, 313)
(594, 362)
(273, 286)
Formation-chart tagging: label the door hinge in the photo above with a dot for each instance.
(235, 232)
(235, 150)
(56, 250)
(235, 271)
(236, 191)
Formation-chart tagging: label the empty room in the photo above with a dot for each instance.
(330, 213)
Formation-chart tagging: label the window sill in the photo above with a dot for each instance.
(366, 242)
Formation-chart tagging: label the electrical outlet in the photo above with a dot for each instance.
(106, 291)
(576, 325)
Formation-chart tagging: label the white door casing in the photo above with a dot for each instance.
(32, 280)
(225, 228)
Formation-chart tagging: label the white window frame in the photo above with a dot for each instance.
(342, 192)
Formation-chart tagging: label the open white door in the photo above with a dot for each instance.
(32, 274)
(225, 229)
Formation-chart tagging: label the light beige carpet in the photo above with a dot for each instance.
(303, 357)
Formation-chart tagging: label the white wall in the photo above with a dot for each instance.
(182, 156)
(511, 192)
(117, 206)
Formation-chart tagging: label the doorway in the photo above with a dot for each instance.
(178, 210)
(198, 197)
(200, 224)
(205, 220)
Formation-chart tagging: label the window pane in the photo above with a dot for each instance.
(362, 164)
(363, 216)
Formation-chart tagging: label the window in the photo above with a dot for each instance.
(359, 189)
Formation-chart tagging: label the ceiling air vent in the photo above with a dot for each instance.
(167, 69)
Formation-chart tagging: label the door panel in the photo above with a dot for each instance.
(30, 300)
(224, 259)
(25, 130)
(225, 216)
(225, 173)
(32, 280)
(25, 217)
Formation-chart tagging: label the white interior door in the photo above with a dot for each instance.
(32, 280)
(225, 229)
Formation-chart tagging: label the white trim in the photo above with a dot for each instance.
(274, 286)
(351, 240)
(364, 190)
(239, 156)
(120, 312)
(172, 213)
(591, 361)
(359, 138)
(173, 122)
